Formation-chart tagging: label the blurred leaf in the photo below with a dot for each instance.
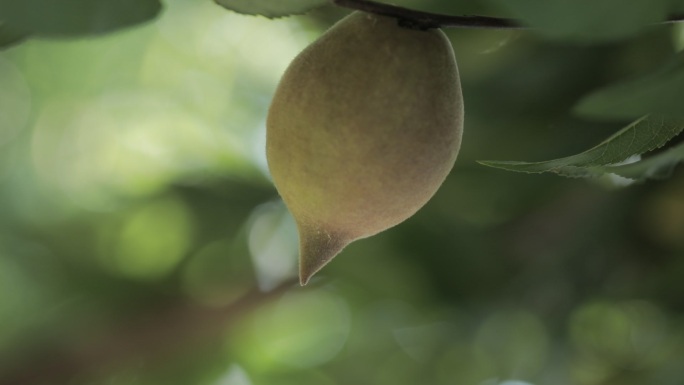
(514, 342)
(678, 7)
(76, 17)
(645, 134)
(301, 330)
(271, 8)
(661, 92)
(631, 333)
(656, 167)
(588, 20)
(9, 36)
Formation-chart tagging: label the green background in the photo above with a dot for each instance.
(142, 242)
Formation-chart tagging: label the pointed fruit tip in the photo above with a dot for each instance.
(317, 247)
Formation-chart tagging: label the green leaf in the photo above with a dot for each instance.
(587, 20)
(661, 92)
(76, 17)
(659, 166)
(271, 8)
(643, 135)
(677, 7)
(9, 36)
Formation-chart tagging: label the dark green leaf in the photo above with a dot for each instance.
(656, 167)
(677, 7)
(661, 92)
(271, 8)
(588, 21)
(9, 36)
(76, 17)
(645, 134)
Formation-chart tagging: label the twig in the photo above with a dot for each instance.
(427, 20)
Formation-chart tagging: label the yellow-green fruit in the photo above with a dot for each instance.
(364, 127)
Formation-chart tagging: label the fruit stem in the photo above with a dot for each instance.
(426, 20)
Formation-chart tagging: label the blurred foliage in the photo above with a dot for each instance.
(271, 8)
(75, 17)
(659, 92)
(141, 241)
(655, 167)
(9, 36)
(624, 147)
(589, 21)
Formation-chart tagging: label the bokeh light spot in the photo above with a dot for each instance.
(678, 36)
(459, 365)
(624, 334)
(302, 330)
(273, 244)
(218, 273)
(153, 240)
(235, 375)
(515, 342)
(204, 29)
(125, 145)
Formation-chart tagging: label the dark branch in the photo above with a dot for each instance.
(153, 337)
(427, 20)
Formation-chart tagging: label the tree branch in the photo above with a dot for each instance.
(427, 20)
(153, 337)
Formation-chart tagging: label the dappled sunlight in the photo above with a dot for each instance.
(231, 42)
(130, 121)
(233, 84)
(125, 145)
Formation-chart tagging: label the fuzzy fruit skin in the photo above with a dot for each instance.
(364, 127)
